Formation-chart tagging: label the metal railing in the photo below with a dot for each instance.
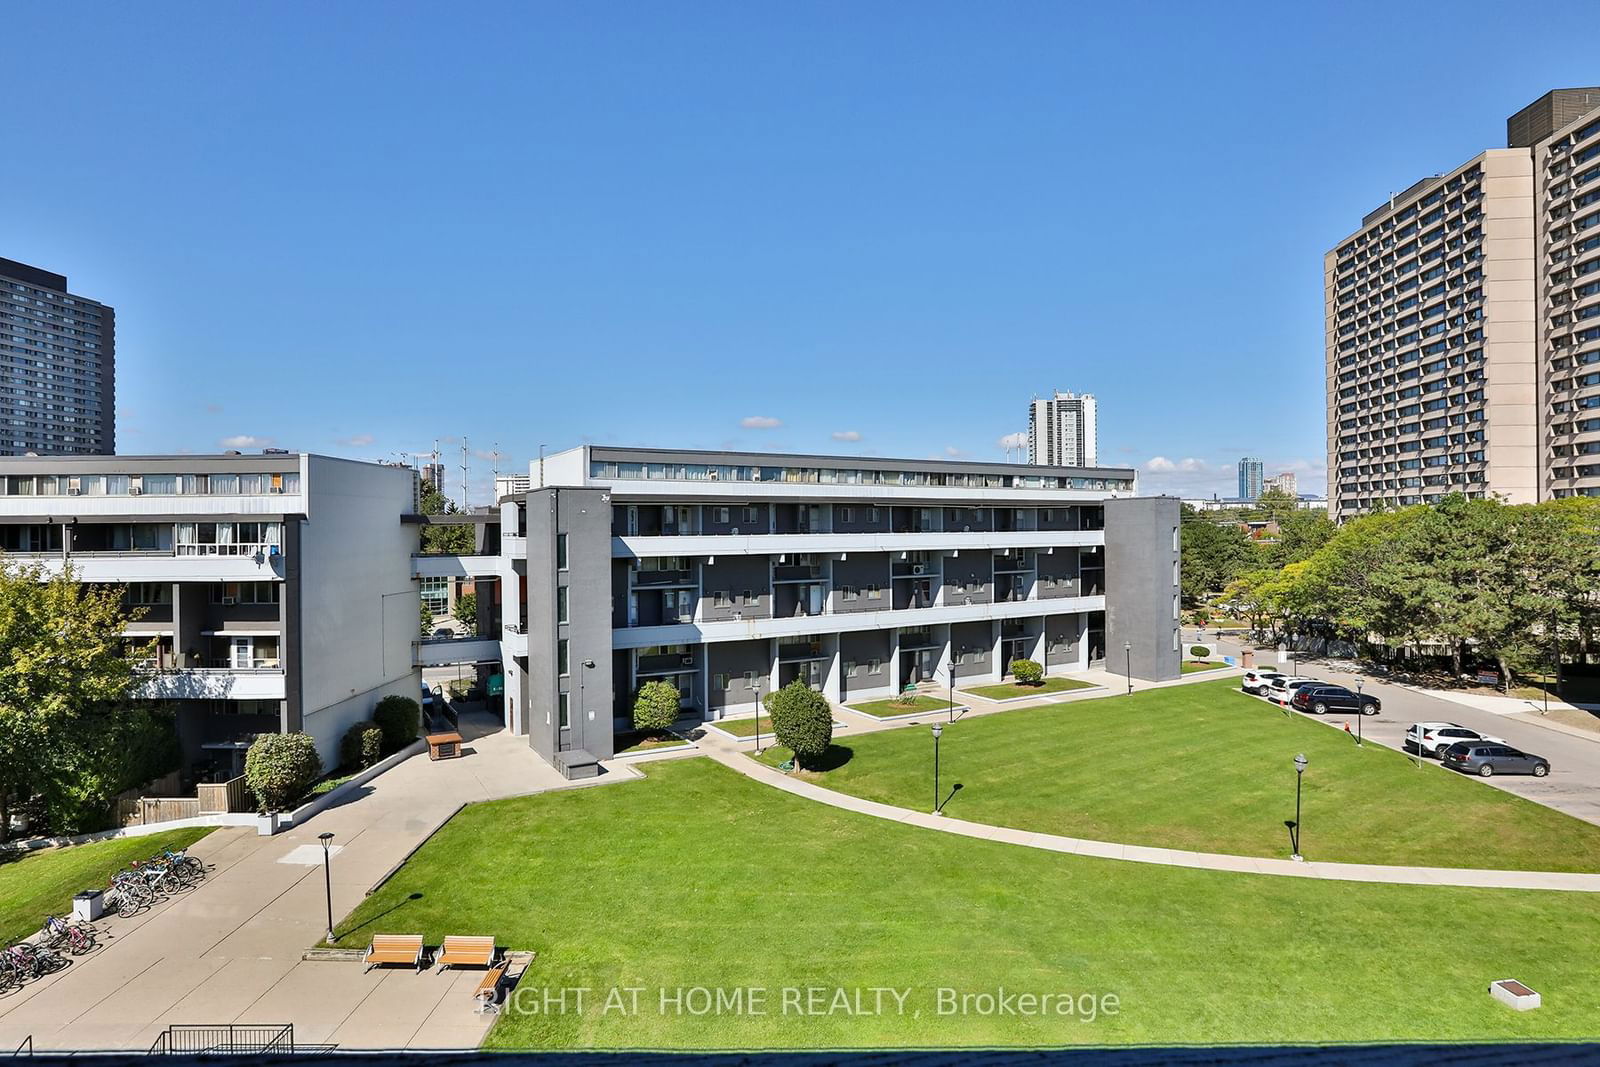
(229, 1038)
(24, 1049)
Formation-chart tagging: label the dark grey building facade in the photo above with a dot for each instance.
(728, 575)
(57, 367)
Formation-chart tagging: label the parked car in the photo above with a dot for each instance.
(1282, 688)
(427, 696)
(1477, 757)
(1432, 738)
(1321, 699)
(1257, 678)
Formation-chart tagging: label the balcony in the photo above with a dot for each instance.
(657, 579)
(668, 664)
(167, 565)
(792, 573)
(214, 683)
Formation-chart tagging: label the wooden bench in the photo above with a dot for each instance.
(395, 948)
(466, 952)
(488, 992)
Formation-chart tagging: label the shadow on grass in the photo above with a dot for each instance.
(835, 757)
(343, 934)
(954, 789)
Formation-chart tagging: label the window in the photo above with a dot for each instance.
(847, 514)
(561, 710)
(1175, 542)
(145, 594)
(561, 603)
(872, 514)
(749, 514)
(719, 515)
(720, 683)
(435, 594)
(561, 657)
(561, 552)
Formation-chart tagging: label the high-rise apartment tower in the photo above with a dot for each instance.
(57, 367)
(1061, 430)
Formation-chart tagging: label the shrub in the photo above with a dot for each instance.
(280, 767)
(399, 718)
(361, 746)
(1199, 651)
(801, 720)
(1027, 672)
(656, 707)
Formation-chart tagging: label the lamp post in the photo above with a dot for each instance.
(952, 670)
(1299, 772)
(758, 716)
(938, 728)
(1553, 677)
(1361, 713)
(327, 878)
(1127, 653)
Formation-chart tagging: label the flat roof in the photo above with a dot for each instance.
(867, 463)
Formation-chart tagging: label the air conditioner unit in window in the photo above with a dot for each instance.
(687, 661)
(228, 600)
(74, 492)
(134, 490)
(275, 489)
(917, 568)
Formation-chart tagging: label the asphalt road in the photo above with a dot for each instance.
(1573, 785)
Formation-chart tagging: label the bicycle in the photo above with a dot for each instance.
(188, 868)
(129, 893)
(76, 937)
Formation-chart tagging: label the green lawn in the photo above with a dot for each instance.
(1207, 768)
(887, 709)
(698, 877)
(743, 727)
(1011, 690)
(1194, 666)
(36, 884)
(649, 743)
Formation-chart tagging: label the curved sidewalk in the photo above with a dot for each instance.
(733, 756)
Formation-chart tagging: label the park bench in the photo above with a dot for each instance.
(395, 948)
(488, 992)
(466, 952)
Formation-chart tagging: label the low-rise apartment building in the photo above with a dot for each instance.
(276, 591)
(732, 574)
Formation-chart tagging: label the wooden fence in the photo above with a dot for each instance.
(145, 810)
(231, 795)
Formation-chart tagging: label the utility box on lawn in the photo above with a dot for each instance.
(88, 906)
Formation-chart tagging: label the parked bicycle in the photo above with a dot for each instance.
(76, 937)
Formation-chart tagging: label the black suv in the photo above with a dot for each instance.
(1321, 699)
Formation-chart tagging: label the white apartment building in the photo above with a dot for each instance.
(1062, 430)
(276, 591)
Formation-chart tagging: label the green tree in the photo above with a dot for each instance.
(466, 612)
(64, 671)
(1300, 533)
(400, 719)
(1027, 671)
(424, 618)
(279, 768)
(1214, 554)
(801, 721)
(444, 540)
(656, 707)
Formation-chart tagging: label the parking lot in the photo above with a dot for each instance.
(1573, 785)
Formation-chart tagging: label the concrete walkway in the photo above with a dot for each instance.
(734, 755)
(230, 950)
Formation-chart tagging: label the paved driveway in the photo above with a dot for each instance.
(230, 951)
(1573, 785)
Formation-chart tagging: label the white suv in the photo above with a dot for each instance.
(1438, 736)
(1258, 678)
(1281, 688)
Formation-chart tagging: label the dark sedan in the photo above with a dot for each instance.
(1477, 757)
(1321, 699)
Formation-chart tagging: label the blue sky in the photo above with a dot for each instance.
(874, 228)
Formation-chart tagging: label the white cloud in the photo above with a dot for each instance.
(1187, 465)
(952, 452)
(246, 440)
(760, 422)
(847, 435)
(1013, 440)
(360, 440)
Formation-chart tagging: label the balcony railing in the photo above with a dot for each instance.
(649, 578)
(235, 549)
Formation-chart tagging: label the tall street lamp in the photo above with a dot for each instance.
(1127, 653)
(1361, 712)
(938, 728)
(327, 878)
(1553, 676)
(1299, 773)
(758, 716)
(952, 670)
